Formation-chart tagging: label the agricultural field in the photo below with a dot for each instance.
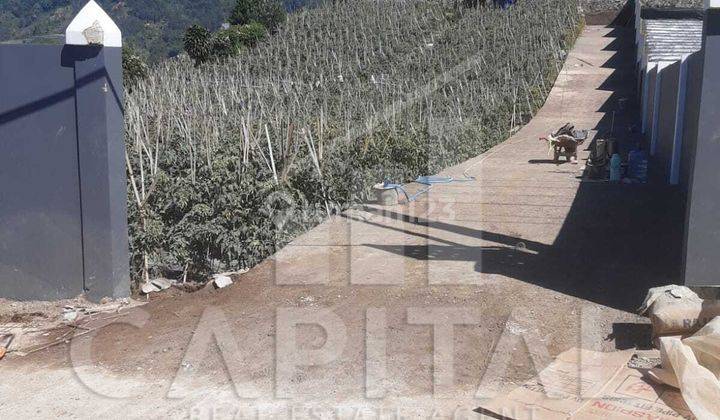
(230, 160)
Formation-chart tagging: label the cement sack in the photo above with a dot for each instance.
(693, 365)
(677, 310)
(587, 385)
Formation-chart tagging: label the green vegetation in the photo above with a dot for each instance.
(229, 161)
(201, 45)
(270, 13)
(229, 42)
(198, 44)
(154, 27)
(134, 68)
(251, 20)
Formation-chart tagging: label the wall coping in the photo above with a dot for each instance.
(92, 26)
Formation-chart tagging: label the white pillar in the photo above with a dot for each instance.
(94, 46)
(92, 26)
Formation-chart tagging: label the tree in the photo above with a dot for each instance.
(270, 13)
(134, 68)
(198, 44)
(250, 34)
(227, 42)
(245, 11)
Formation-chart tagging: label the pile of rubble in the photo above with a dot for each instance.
(217, 281)
(29, 327)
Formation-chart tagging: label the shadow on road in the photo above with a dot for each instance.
(617, 240)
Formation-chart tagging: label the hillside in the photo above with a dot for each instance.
(230, 160)
(155, 27)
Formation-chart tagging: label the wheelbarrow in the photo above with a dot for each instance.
(565, 143)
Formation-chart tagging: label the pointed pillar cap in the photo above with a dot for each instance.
(92, 26)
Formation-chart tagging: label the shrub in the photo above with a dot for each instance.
(227, 42)
(251, 33)
(270, 13)
(198, 44)
(244, 12)
(134, 68)
(224, 43)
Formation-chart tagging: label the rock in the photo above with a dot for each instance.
(157, 285)
(162, 283)
(95, 35)
(222, 281)
(70, 316)
(148, 288)
(642, 362)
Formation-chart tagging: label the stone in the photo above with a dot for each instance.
(148, 288)
(162, 283)
(94, 34)
(221, 281)
(70, 316)
(92, 26)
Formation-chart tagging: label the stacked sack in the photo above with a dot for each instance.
(687, 331)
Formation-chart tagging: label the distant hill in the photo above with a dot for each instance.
(155, 27)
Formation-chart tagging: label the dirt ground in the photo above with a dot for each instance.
(527, 261)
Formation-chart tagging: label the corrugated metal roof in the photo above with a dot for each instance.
(669, 39)
(673, 3)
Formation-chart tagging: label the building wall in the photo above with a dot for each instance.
(682, 122)
(690, 124)
(40, 223)
(63, 196)
(667, 107)
(702, 221)
(649, 101)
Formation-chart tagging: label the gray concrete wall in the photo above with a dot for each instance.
(667, 108)
(702, 264)
(102, 168)
(63, 223)
(649, 103)
(40, 224)
(690, 124)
